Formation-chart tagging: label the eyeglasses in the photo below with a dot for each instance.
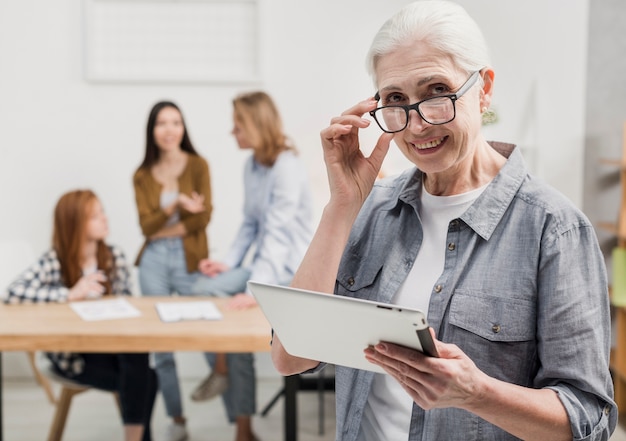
(436, 110)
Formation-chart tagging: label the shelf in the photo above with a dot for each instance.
(618, 229)
(609, 227)
(613, 162)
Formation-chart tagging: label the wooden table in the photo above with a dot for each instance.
(56, 327)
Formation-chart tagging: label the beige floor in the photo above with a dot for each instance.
(94, 417)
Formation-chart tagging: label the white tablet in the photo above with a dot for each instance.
(336, 329)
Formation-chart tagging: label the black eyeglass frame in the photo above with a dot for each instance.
(453, 97)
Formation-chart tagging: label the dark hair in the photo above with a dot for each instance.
(152, 150)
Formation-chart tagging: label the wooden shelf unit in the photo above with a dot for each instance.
(618, 353)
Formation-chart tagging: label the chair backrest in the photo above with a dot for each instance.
(44, 365)
(15, 256)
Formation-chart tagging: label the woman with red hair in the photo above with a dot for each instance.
(82, 266)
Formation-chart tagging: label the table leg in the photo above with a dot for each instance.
(291, 411)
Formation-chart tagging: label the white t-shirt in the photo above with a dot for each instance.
(387, 413)
(167, 198)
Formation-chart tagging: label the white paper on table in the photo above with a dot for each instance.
(178, 311)
(108, 309)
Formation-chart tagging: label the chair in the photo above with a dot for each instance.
(69, 389)
(40, 378)
(16, 256)
(315, 382)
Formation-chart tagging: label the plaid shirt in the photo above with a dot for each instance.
(42, 283)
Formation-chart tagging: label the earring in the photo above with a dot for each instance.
(488, 116)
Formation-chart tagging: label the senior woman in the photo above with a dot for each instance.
(508, 270)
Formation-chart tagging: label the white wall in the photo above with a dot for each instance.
(59, 132)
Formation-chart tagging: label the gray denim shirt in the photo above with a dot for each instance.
(523, 293)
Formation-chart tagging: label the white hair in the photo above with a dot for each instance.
(441, 24)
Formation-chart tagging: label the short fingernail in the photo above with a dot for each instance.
(381, 347)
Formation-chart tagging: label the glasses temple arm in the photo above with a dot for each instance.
(469, 83)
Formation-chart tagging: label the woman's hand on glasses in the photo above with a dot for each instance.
(351, 175)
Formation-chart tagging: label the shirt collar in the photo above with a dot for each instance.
(486, 212)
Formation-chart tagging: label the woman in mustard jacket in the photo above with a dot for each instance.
(173, 195)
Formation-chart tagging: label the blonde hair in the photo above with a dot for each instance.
(259, 117)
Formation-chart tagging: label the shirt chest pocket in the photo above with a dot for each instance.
(359, 276)
(497, 319)
(497, 333)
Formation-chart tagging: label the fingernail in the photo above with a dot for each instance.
(381, 347)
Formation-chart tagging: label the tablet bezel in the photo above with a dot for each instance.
(314, 325)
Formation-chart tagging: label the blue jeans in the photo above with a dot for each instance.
(127, 374)
(240, 397)
(163, 271)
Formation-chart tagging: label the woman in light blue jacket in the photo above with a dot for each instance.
(276, 228)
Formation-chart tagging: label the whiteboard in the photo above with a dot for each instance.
(171, 40)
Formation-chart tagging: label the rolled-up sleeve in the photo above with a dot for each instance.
(574, 332)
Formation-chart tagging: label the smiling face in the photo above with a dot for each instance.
(414, 72)
(169, 129)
